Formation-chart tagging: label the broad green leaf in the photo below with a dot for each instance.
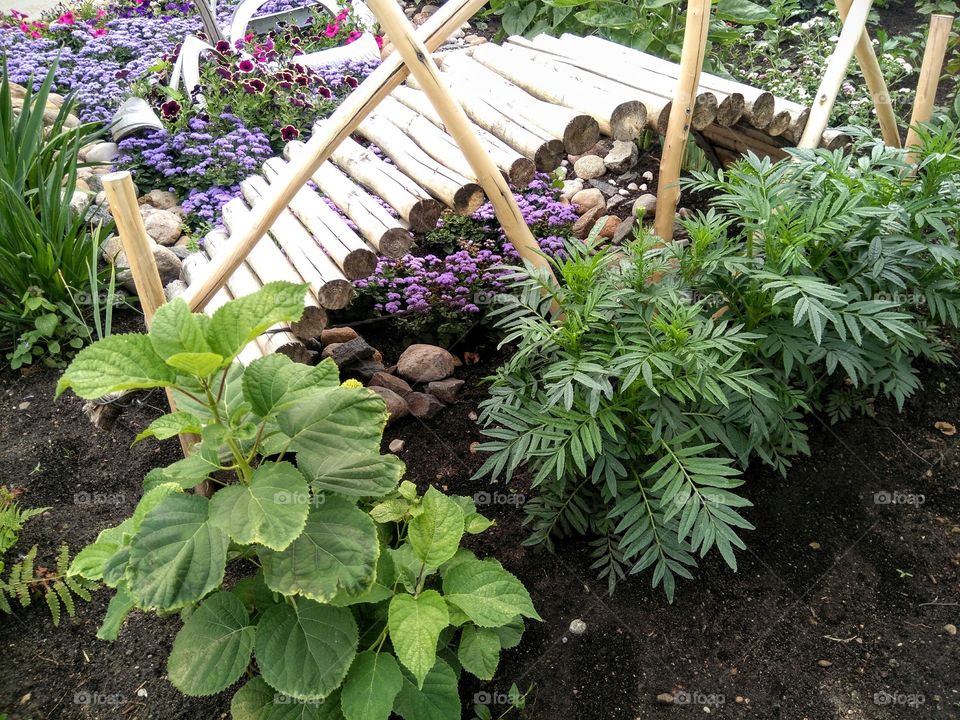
(479, 651)
(271, 510)
(304, 649)
(338, 420)
(275, 380)
(166, 426)
(488, 594)
(382, 587)
(188, 472)
(437, 699)
(415, 624)
(258, 701)
(743, 11)
(510, 634)
(120, 606)
(148, 502)
(178, 556)
(118, 362)
(338, 549)
(201, 365)
(355, 474)
(410, 569)
(254, 593)
(238, 322)
(90, 561)
(213, 647)
(392, 510)
(371, 687)
(174, 329)
(435, 534)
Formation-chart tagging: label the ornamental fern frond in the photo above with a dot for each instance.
(58, 588)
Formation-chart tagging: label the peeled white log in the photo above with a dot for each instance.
(578, 131)
(461, 193)
(347, 249)
(518, 168)
(545, 151)
(412, 202)
(388, 235)
(618, 110)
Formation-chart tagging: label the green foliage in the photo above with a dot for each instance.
(12, 519)
(360, 598)
(654, 26)
(45, 246)
(57, 587)
(813, 285)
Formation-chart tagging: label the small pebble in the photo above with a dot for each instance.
(814, 545)
(472, 416)
(824, 663)
(623, 192)
(396, 445)
(633, 186)
(950, 629)
(24, 405)
(578, 627)
(648, 176)
(665, 698)
(643, 188)
(142, 692)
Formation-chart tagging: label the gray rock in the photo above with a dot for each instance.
(604, 187)
(425, 363)
(396, 445)
(624, 230)
(645, 206)
(587, 199)
(168, 265)
(589, 167)
(633, 187)
(617, 202)
(160, 199)
(102, 153)
(350, 352)
(111, 250)
(422, 405)
(396, 406)
(392, 382)
(163, 226)
(79, 201)
(685, 213)
(445, 391)
(648, 176)
(366, 369)
(181, 251)
(570, 189)
(175, 289)
(622, 157)
(578, 627)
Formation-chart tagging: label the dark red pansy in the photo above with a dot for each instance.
(289, 133)
(170, 109)
(325, 93)
(223, 46)
(224, 73)
(246, 66)
(351, 81)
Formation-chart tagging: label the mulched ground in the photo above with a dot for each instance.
(871, 597)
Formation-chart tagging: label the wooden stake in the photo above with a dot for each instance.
(933, 54)
(834, 74)
(417, 57)
(675, 143)
(138, 247)
(877, 86)
(338, 126)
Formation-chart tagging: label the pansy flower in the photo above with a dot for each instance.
(351, 81)
(246, 66)
(288, 133)
(324, 93)
(170, 109)
(222, 46)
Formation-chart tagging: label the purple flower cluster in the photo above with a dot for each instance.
(457, 285)
(204, 163)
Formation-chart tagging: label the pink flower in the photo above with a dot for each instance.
(101, 13)
(342, 15)
(379, 39)
(354, 34)
(245, 66)
(99, 32)
(332, 30)
(66, 19)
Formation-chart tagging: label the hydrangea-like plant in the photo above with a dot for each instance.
(356, 599)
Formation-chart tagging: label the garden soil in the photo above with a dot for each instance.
(837, 610)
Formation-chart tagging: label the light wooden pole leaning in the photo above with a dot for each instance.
(417, 58)
(681, 112)
(850, 36)
(877, 86)
(930, 69)
(138, 247)
(345, 119)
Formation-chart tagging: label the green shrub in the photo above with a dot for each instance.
(45, 246)
(812, 285)
(358, 600)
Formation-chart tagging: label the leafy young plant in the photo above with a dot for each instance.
(23, 579)
(357, 599)
(813, 284)
(44, 243)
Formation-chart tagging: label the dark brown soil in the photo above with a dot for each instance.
(872, 598)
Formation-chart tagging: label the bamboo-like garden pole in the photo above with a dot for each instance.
(344, 121)
(138, 247)
(417, 58)
(833, 76)
(873, 75)
(678, 128)
(930, 69)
